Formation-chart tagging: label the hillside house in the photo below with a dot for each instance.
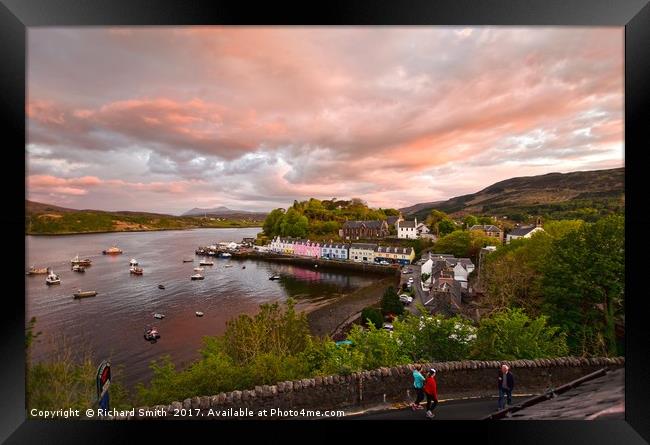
(407, 229)
(524, 231)
(489, 230)
(364, 229)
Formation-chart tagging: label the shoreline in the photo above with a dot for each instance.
(137, 231)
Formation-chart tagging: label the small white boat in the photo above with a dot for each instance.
(76, 261)
(274, 277)
(151, 334)
(136, 270)
(84, 294)
(206, 263)
(188, 260)
(228, 265)
(197, 276)
(78, 268)
(226, 255)
(158, 316)
(52, 278)
(198, 269)
(199, 313)
(133, 262)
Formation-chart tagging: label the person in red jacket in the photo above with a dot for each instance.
(431, 391)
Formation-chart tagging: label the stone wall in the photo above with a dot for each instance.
(322, 263)
(354, 392)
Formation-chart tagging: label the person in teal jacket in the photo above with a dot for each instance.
(418, 384)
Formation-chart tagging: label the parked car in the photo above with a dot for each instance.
(410, 280)
(406, 299)
(384, 263)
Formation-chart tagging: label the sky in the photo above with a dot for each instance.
(164, 119)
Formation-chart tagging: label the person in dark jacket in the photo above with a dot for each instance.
(431, 391)
(506, 383)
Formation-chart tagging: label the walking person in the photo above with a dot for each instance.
(431, 391)
(506, 384)
(418, 384)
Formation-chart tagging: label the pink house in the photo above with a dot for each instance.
(306, 248)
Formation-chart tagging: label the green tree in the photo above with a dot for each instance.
(470, 221)
(463, 244)
(372, 315)
(271, 225)
(294, 224)
(390, 303)
(378, 346)
(445, 227)
(434, 338)
(511, 335)
(583, 285)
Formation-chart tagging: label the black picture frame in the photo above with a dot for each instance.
(634, 15)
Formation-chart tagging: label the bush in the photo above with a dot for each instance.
(373, 316)
(390, 303)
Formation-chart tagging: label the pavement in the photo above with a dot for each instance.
(463, 409)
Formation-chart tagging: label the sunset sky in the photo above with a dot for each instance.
(165, 119)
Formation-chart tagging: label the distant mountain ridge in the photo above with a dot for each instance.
(534, 194)
(216, 211)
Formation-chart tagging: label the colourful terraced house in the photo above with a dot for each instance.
(284, 246)
(401, 255)
(307, 248)
(334, 251)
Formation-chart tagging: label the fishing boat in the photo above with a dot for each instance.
(228, 265)
(274, 277)
(136, 270)
(78, 268)
(52, 278)
(160, 286)
(198, 269)
(151, 334)
(199, 313)
(113, 250)
(84, 294)
(197, 276)
(158, 316)
(188, 260)
(206, 263)
(37, 271)
(133, 262)
(76, 261)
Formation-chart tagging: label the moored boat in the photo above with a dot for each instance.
(199, 313)
(206, 263)
(76, 261)
(160, 286)
(37, 270)
(136, 270)
(151, 334)
(197, 276)
(274, 277)
(198, 269)
(113, 250)
(188, 260)
(52, 278)
(78, 268)
(133, 262)
(226, 255)
(158, 316)
(84, 294)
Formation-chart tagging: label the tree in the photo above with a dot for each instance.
(470, 221)
(445, 227)
(390, 303)
(434, 338)
(511, 335)
(434, 218)
(378, 347)
(372, 315)
(463, 244)
(294, 224)
(271, 225)
(583, 285)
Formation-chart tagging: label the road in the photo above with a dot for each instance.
(420, 296)
(466, 409)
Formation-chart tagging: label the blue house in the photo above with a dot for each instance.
(334, 251)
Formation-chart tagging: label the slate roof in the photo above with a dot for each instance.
(391, 220)
(390, 249)
(374, 224)
(366, 246)
(335, 246)
(521, 231)
(403, 224)
(600, 398)
(486, 228)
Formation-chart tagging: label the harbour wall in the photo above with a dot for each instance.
(354, 392)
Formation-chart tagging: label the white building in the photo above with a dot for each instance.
(524, 232)
(362, 252)
(407, 229)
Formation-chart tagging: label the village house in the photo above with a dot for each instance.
(306, 248)
(401, 255)
(335, 251)
(393, 220)
(362, 252)
(407, 229)
(524, 231)
(283, 246)
(489, 230)
(364, 229)
(422, 230)
(458, 268)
